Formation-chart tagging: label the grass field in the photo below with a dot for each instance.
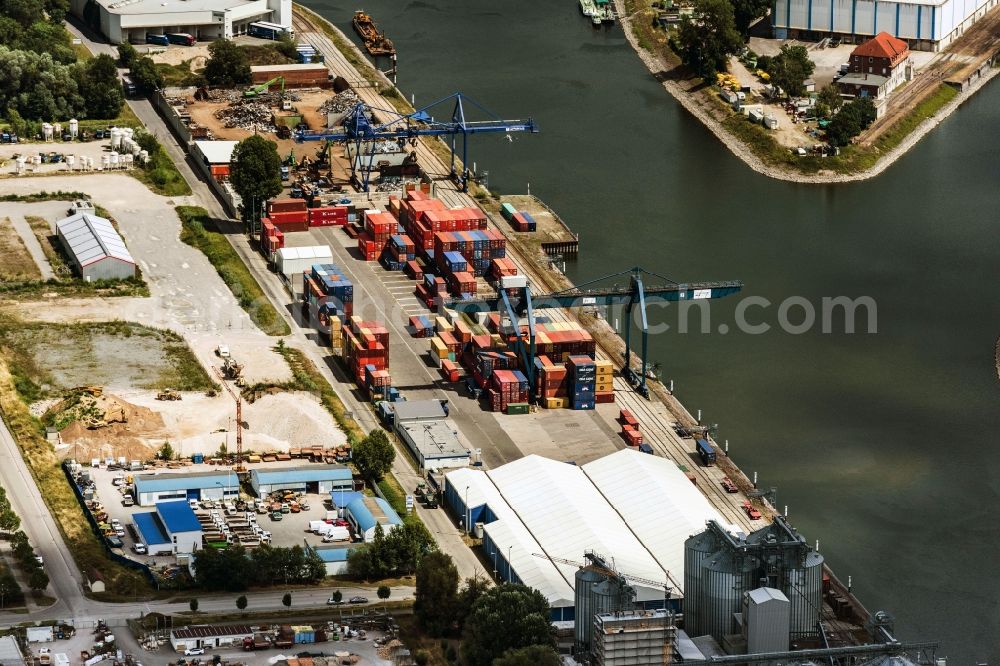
(199, 231)
(17, 263)
(50, 246)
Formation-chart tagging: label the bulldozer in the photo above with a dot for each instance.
(168, 394)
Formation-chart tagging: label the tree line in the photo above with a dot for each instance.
(234, 569)
(394, 554)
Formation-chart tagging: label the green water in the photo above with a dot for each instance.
(882, 445)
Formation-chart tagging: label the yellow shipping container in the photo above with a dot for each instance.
(441, 324)
(438, 348)
(605, 368)
(555, 403)
(604, 387)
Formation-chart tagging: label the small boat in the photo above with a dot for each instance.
(598, 11)
(376, 43)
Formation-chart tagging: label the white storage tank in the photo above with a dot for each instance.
(105, 162)
(143, 156)
(19, 164)
(47, 131)
(70, 160)
(57, 130)
(116, 138)
(74, 127)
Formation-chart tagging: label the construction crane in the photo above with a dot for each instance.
(599, 562)
(589, 295)
(358, 128)
(262, 88)
(239, 421)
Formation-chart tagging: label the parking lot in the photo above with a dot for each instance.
(292, 529)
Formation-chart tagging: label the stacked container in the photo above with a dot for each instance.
(377, 382)
(288, 214)
(365, 343)
(604, 389)
(421, 326)
(582, 381)
(327, 216)
(379, 227)
(328, 292)
(630, 428)
(398, 251)
(271, 238)
(508, 391)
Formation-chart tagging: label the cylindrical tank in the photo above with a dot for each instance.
(725, 578)
(143, 156)
(57, 130)
(583, 584)
(805, 594)
(105, 162)
(70, 160)
(19, 164)
(115, 163)
(47, 131)
(696, 550)
(74, 127)
(116, 138)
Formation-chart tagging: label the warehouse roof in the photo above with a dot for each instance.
(10, 653)
(178, 517)
(656, 500)
(91, 238)
(276, 477)
(153, 483)
(150, 528)
(369, 510)
(577, 518)
(216, 152)
(418, 410)
(513, 540)
(212, 631)
(434, 439)
(333, 554)
(133, 7)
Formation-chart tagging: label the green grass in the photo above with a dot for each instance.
(179, 75)
(904, 126)
(199, 231)
(265, 54)
(161, 176)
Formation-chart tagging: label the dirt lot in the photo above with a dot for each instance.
(17, 263)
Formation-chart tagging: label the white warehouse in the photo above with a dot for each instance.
(206, 20)
(927, 25)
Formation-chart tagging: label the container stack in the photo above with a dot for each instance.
(379, 227)
(377, 382)
(500, 268)
(414, 270)
(508, 392)
(431, 287)
(519, 220)
(478, 247)
(551, 378)
(421, 326)
(365, 343)
(398, 251)
(327, 216)
(328, 292)
(271, 239)
(630, 428)
(604, 389)
(582, 381)
(560, 340)
(288, 214)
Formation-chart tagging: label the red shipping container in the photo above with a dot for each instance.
(604, 398)
(286, 205)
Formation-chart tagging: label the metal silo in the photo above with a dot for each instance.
(596, 592)
(697, 549)
(804, 590)
(725, 577)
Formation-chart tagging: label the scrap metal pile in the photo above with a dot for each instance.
(340, 102)
(247, 114)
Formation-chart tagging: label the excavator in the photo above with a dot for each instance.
(262, 88)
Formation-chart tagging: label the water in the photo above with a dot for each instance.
(880, 444)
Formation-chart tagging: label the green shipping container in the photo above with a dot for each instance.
(517, 408)
(507, 211)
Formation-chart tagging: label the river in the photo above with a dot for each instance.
(879, 443)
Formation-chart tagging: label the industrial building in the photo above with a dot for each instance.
(630, 638)
(95, 250)
(434, 441)
(877, 67)
(206, 20)
(927, 25)
(153, 488)
(209, 636)
(216, 155)
(321, 479)
(722, 568)
(637, 508)
(10, 651)
(364, 513)
(172, 529)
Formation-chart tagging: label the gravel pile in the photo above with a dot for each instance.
(340, 102)
(247, 114)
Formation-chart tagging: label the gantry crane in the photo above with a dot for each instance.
(589, 295)
(358, 129)
(239, 421)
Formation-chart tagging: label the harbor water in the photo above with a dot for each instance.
(881, 444)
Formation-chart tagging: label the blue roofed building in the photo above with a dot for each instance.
(172, 529)
(364, 513)
(164, 487)
(152, 533)
(320, 479)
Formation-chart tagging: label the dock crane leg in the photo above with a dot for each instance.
(642, 388)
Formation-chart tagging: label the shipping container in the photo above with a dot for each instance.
(705, 451)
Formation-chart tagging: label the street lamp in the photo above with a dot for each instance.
(468, 512)
(510, 569)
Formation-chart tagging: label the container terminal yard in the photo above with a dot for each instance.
(719, 574)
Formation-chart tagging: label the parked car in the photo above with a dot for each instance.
(359, 600)
(334, 602)
(139, 548)
(191, 652)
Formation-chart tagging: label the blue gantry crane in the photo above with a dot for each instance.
(590, 294)
(359, 129)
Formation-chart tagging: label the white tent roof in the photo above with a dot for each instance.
(658, 502)
(306, 252)
(91, 238)
(217, 152)
(569, 516)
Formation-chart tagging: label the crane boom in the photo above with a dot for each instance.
(239, 420)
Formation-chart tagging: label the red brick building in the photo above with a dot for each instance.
(877, 67)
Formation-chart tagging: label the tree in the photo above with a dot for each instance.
(227, 64)
(38, 580)
(230, 569)
(337, 596)
(255, 173)
(127, 55)
(745, 12)
(193, 605)
(286, 600)
(533, 655)
(507, 617)
(101, 88)
(790, 68)
(706, 43)
(436, 593)
(144, 74)
(471, 591)
(241, 602)
(166, 452)
(383, 592)
(829, 97)
(853, 118)
(374, 454)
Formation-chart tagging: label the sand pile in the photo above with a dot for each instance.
(107, 425)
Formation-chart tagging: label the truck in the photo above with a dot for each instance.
(267, 30)
(182, 38)
(129, 88)
(256, 642)
(152, 38)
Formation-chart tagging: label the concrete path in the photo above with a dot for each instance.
(31, 243)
